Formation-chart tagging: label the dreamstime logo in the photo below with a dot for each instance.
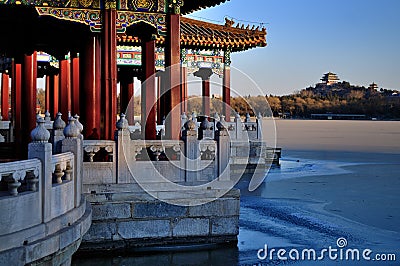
(197, 170)
(340, 252)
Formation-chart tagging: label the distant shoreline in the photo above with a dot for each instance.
(311, 119)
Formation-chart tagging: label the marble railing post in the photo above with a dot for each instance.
(216, 120)
(184, 119)
(192, 151)
(73, 143)
(58, 135)
(223, 152)
(124, 150)
(259, 126)
(247, 119)
(238, 127)
(41, 149)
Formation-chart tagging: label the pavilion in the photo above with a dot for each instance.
(329, 79)
(83, 48)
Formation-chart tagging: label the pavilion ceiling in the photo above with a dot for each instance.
(197, 34)
(190, 6)
(26, 31)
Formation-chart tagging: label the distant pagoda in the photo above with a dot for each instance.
(373, 86)
(329, 79)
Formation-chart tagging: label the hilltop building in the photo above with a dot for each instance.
(373, 86)
(329, 79)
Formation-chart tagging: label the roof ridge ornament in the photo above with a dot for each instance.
(229, 22)
(175, 6)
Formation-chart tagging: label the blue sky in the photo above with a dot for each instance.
(357, 39)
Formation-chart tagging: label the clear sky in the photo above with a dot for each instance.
(357, 39)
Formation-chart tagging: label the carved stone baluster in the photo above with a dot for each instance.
(157, 151)
(212, 150)
(13, 187)
(177, 150)
(32, 180)
(58, 173)
(91, 151)
(110, 151)
(91, 155)
(68, 171)
(203, 149)
(14, 183)
(136, 150)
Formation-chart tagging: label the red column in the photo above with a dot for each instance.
(90, 88)
(149, 90)
(205, 74)
(16, 85)
(126, 96)
(54, 95)
(65, 88)
(75, 108)
(47, 93)
(206, 96)
(109, 75)
(28, 99)
(161, 99)
(172, 60)
(5, 87)
(226, 94)
(184, 89)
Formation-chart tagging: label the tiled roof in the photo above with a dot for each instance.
(205, 35)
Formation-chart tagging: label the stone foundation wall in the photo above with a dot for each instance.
(124, 222)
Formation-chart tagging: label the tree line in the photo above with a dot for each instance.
(342, 98)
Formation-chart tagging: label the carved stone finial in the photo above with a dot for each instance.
(78, 123)
(71, 131)
(47, 117)
(259, 116)
(190, 125)
(122, 123)
(58, 122)
(221, 126)
(194, 116)
(237, 117)
(248, 117)
(205, 125)
(40, 134)
(216, 117)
